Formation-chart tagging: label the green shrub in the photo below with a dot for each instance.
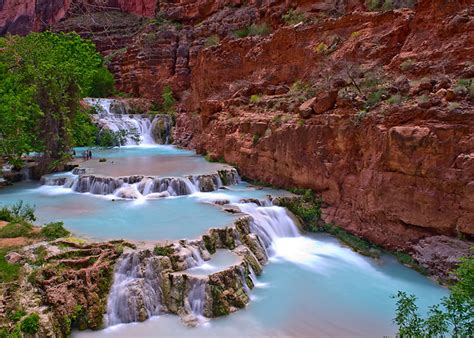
(256, 98)
(293, 17)
(212, 40)
(30, 324)
(18, 212)
(13, 230)
(407, 65)
(379, 5)
(395, 99)
(54, 230)
(163, 250)
(464, 83)
(452, 317)
(321, 48)
(253, 30)
(102, 84)
(8, 272)
(375, 97)
(16, 315)
(355, 35)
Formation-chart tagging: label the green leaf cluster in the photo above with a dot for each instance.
(43, 77)
(454, 316)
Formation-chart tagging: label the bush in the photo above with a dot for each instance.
(18, 212)
(407, 65)
(163, 250)
(30, 324)
(293, 17)
(321, 48)
(452, 317)
(375, 97)
(54, 230)
(256, 98)
(14, 230)
(102, 84)
(253, 30)
(213, 40)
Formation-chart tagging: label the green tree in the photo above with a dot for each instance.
(43, 78)
(454, 316)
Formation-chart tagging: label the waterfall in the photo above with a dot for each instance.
(135, 294)
(112, 114)
(270, 223)
(197, 298)
(136, 187)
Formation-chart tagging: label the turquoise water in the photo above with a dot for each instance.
(312, 286)
(136, 151)
(102, 218)
(333, 292)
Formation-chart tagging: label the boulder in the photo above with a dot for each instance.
(324, 101)
(13, 258)
(306, 109)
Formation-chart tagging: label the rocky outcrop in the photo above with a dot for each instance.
(439, 255)
(391, 157)
(65, 283)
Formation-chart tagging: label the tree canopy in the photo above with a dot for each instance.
(43, 78)
(454, 316)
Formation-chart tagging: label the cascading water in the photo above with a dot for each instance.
(197, 298)
(270, 223)
(136, 187)
(135, 294)
(140, 124)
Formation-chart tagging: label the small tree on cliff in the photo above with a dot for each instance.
(43, 78)
(454, 316)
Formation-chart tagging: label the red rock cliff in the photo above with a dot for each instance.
(372, 110)
(394, 172)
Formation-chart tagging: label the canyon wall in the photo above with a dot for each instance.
(371, 109)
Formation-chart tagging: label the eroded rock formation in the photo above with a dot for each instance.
(371, 109)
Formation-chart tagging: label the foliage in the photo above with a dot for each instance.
(212, 40)
(395, 99)
(8, 272)
(44, 76)
(13, 230)
(307, 207)
(18, 212)
(54, 230)
(253, 30)
(355, 35)
(453, 316)
(359, 117)
(256, 98)
(163, 250)
(109, 138)
(293, 17)
(375, 97)
(464, 83)
(321, 48)
(84, 131)
(102, 83)
(30, 324)
(162, 20)
(379, 5)
(407, 65)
